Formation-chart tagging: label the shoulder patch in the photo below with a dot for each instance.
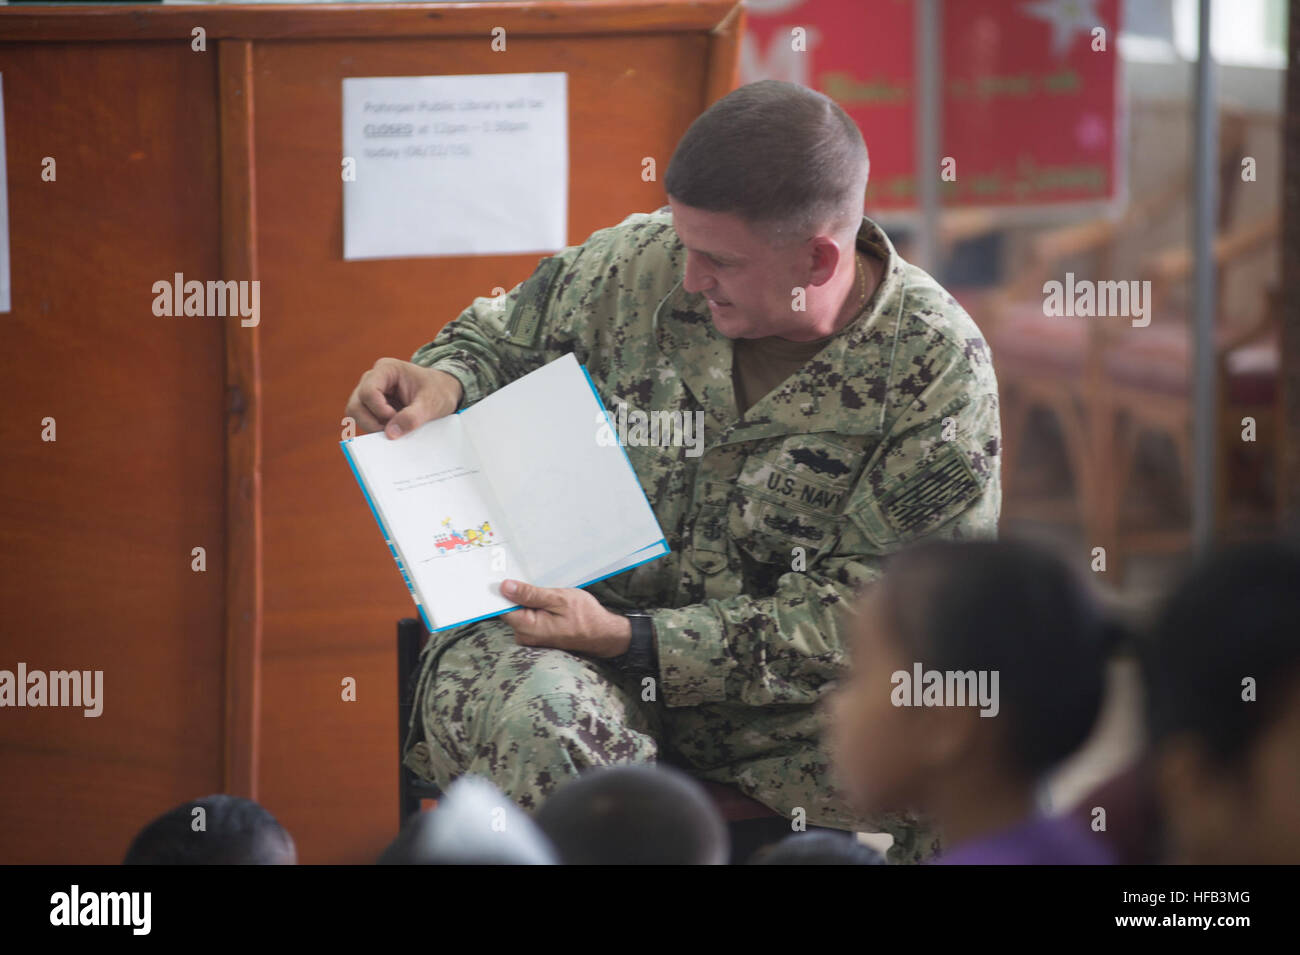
(936, 491)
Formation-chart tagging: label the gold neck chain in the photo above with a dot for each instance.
(862, 283)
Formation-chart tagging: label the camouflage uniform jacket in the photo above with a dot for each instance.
(888, 434)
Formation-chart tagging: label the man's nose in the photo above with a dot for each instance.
(696, 278)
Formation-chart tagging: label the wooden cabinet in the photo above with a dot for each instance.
(174, 433)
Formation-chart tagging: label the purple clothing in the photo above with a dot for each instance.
(1039, 840)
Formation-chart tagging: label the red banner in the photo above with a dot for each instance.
(1031, 111)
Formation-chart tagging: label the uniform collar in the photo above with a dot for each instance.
(817, 397)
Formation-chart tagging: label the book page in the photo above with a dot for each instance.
(450, 532)
(576, 506)
(627, 563)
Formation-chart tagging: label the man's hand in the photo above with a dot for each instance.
(398, 396)
(565, 618)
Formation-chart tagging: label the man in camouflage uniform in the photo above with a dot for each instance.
(888, 432)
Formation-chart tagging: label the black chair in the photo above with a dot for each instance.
(412, 790)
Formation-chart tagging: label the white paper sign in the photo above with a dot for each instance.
(455, 165)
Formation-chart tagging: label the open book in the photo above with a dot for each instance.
(516, 486)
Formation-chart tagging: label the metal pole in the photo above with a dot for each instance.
(1204, 377)
(928, 123)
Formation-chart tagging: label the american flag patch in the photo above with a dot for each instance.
(933, 493)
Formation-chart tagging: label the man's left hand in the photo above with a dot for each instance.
(565, 618)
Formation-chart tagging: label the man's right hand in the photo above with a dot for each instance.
(398, 396)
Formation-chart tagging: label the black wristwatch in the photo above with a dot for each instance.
(641, 657)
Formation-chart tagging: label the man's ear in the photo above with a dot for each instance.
(825, 256)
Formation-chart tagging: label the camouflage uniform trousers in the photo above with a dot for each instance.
(530, 718)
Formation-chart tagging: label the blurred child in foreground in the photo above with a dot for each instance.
(1010, 651)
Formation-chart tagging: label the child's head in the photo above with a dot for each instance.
(819, 848)
(998, 628)
(1223, 708)
(635, 815)
(474, 824)
(214, 830)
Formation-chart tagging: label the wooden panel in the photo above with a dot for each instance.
(724, 55)
(325, 21)
(332, 594)
(176, 433)
(243, 426)
(95, 573)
